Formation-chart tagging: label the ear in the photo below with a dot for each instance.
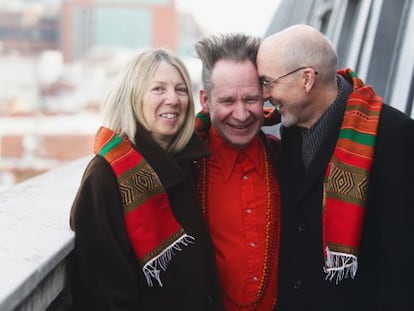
(309, 75)
(204, 100)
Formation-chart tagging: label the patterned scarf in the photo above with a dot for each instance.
(152, 229)
(346, 180)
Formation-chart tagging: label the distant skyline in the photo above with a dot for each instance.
(19, 2)
(249, 16)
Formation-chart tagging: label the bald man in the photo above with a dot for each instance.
(347, 240)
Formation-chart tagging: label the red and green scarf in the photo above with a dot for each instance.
(152, 229)
(347, 178)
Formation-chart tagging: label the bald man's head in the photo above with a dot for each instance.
(296, 46)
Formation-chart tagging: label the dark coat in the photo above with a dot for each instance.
(385, 276)
(104, 271)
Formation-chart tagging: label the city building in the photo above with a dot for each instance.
(28, 31)
(55, 62)
(102, 24)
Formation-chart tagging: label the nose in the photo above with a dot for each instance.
(241, 111)
(171, 97)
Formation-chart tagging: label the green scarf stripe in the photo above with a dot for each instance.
(115, 141)
(205, 119)
(347, 179)
(365, 139)
(353, 74)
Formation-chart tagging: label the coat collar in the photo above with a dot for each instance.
(165, 164)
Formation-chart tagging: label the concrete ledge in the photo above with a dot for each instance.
(46, 291)
(36, 238)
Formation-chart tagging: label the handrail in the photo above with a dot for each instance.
(35, 237)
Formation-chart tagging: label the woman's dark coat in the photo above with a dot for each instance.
(104, 271)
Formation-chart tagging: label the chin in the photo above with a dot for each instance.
(241, 144)
(288, 121)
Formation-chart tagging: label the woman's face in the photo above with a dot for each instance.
(165, 104)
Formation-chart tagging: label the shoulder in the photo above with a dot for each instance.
(394, 123)
(195, 150)
(98, 169)
(395, 137)
(269, 138)
(272, 143)
(390, 113)
(97, 190)
(98, 177)
(273, 139)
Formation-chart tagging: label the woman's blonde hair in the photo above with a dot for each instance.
(122, 108)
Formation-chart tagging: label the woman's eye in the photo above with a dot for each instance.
(158, 89)
(182, 91)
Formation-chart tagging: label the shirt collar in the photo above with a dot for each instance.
(227, 155)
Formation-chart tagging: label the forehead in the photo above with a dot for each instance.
(165, 69)
(229, 73)
(269, 60)
(229, 66)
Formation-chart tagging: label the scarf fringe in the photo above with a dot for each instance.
(153, 267)
(340, 266)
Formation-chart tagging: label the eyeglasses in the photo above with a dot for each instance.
(268, 83)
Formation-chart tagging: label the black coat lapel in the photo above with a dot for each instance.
(297, 181)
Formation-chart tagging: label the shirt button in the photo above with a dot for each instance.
(302, 227)
(252, 244)
(248, 211)
(255, 278)
(297, 284)
(245, 177)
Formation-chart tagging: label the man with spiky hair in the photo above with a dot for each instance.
(238, 186)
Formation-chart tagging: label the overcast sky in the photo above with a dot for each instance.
(249, 16)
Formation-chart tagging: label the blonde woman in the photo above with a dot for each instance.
(141, 242)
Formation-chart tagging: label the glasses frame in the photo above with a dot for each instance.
(268, 83)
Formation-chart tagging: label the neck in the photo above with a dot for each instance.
(162, 142)
(323, 98)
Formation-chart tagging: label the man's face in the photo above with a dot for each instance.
(235, 104)
(282, 88)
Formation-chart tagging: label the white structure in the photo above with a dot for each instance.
(373, 37)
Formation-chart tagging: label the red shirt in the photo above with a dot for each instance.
(237, 217)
